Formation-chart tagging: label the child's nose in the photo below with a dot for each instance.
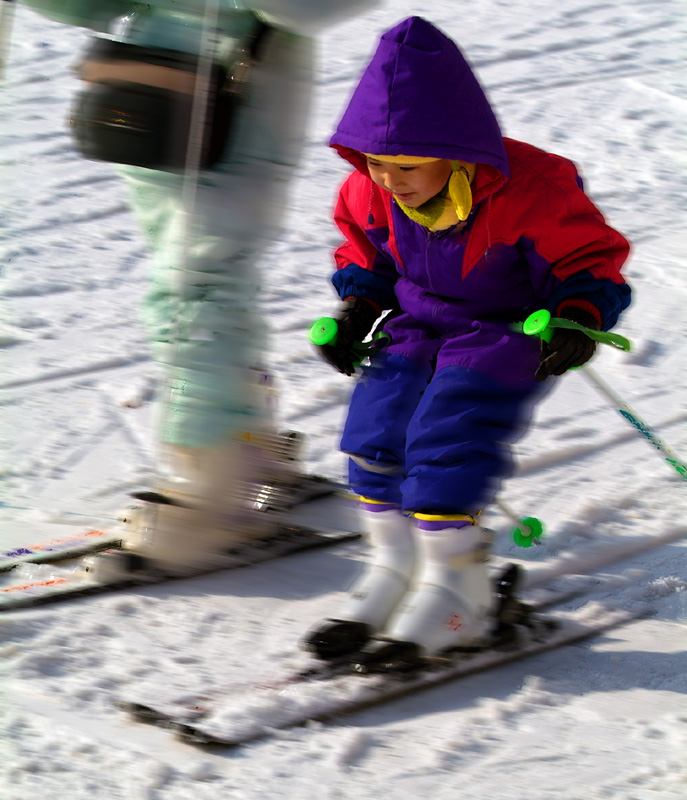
(393, 182)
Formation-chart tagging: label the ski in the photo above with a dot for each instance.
(185, 713)
(271, 497)
(73, 582)
(309, 525)
(59, 548)
(190, 708)
(333, 691)
(545, 586)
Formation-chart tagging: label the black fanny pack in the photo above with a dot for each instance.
(138, 105)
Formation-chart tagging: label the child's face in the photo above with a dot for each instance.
(411, 185)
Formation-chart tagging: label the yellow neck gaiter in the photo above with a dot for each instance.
(451, 206)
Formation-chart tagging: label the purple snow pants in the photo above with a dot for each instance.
(433, 441)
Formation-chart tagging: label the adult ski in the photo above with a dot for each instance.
(64, 546)
(72, 582)
(59, 548)
(314, 523)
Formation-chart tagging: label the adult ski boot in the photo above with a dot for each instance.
(203, 509)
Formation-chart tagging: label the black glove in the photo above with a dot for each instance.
(355, 321)
(567, 348)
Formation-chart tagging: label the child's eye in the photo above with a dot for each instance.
(407, 169)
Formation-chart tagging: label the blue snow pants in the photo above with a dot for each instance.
(433, 442)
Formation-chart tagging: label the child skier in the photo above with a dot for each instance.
(461, 233)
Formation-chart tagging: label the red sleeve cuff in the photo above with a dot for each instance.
(584, 305)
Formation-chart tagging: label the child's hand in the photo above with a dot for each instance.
(354, 322)
(567, 348)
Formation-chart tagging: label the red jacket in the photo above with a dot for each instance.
(534, 238)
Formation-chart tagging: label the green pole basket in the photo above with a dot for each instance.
(529, 532)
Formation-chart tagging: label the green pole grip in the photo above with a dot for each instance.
(542, 324)
(324, 331)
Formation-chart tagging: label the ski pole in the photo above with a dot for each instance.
(625, 411)
(542, 324)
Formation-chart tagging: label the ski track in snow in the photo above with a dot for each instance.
(601, 83)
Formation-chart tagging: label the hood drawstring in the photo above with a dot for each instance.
(370, 215)
(488, 212)
(459, 188)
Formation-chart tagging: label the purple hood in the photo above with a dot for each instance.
(419, 96)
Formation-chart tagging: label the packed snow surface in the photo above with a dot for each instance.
(602, 83)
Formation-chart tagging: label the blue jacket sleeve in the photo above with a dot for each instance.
(609, 298)
(354, 281)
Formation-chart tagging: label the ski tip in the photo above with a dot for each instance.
(136, 709)
(191, 735)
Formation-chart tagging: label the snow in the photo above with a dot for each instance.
(602, 83)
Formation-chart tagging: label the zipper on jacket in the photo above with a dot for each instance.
(428, 235)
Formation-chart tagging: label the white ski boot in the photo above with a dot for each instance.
(377, 591)
(451, 603)
(211, 500)
(197, 514)
(282, 484)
